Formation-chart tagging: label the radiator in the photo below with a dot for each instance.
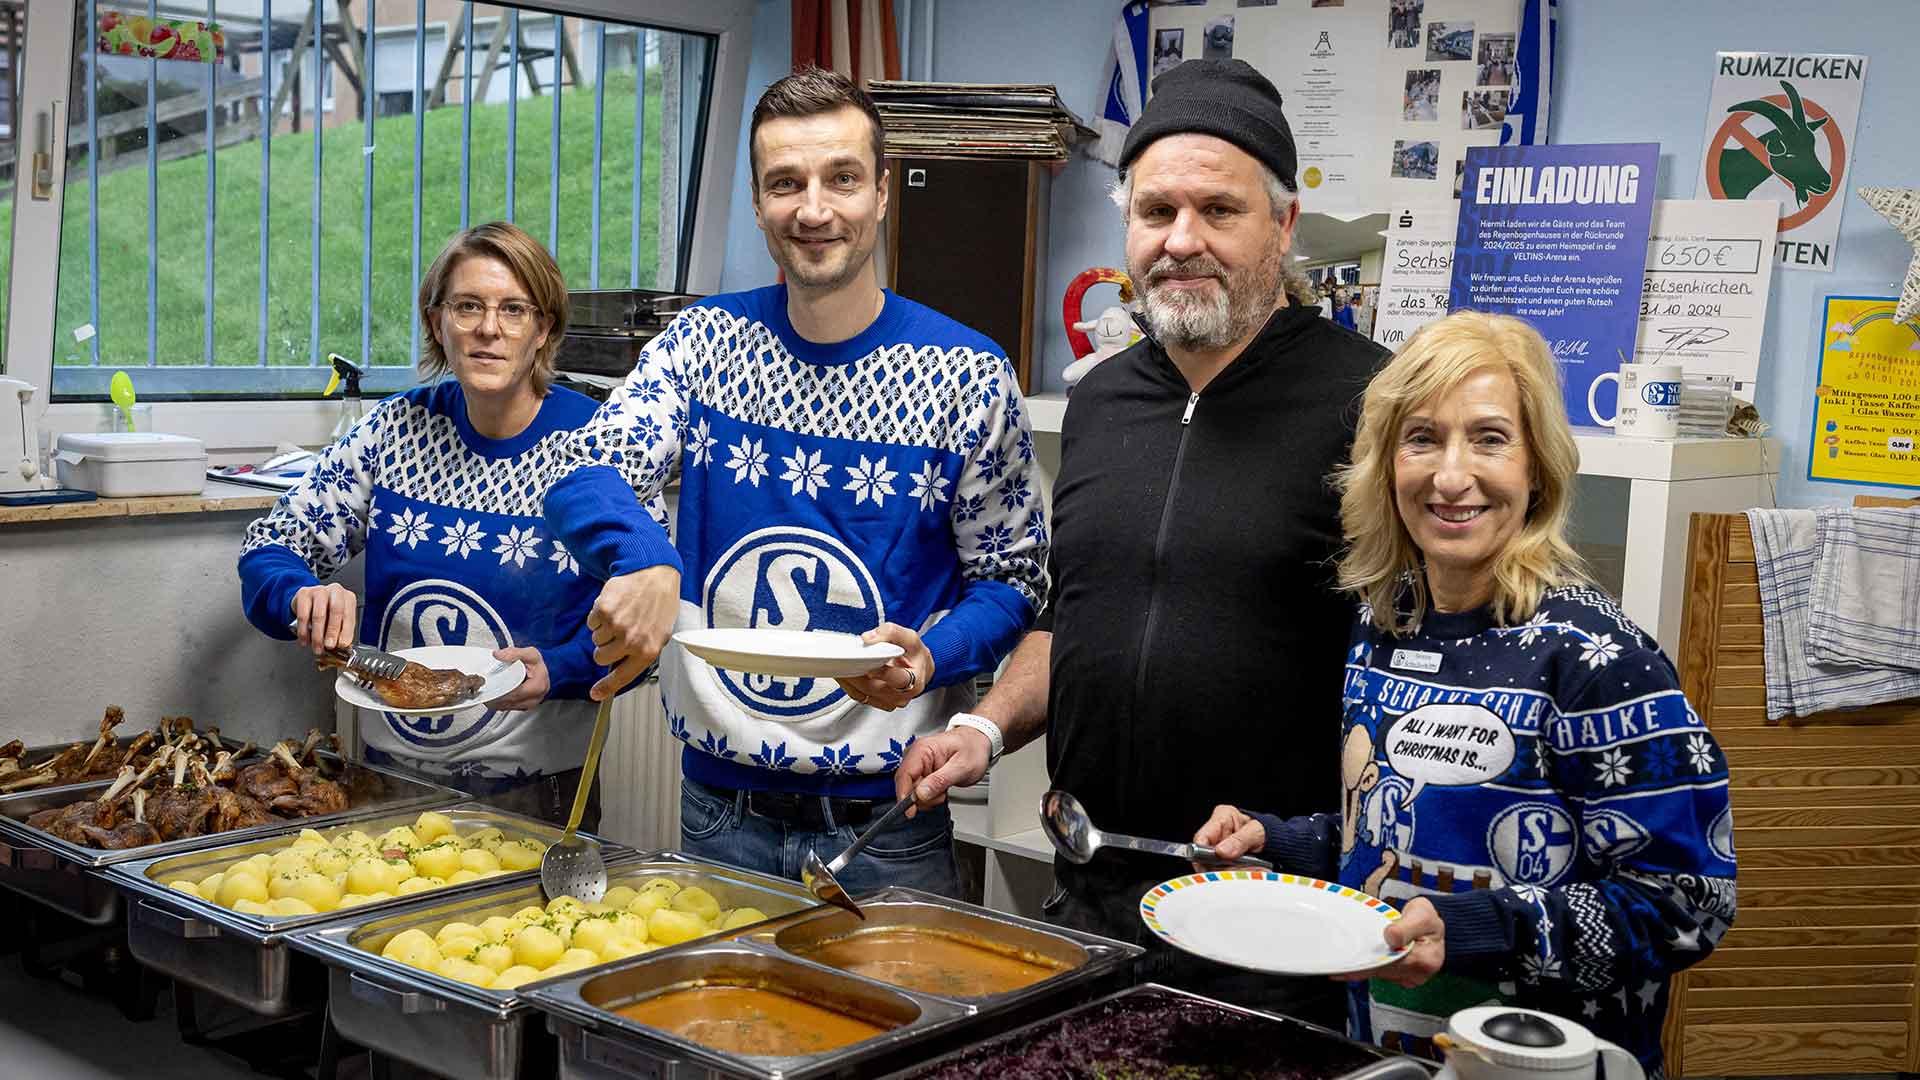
(640, 774)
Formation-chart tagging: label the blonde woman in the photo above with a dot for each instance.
(1522, 776)
(438, 490)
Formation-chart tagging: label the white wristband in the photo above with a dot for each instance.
(996, 742)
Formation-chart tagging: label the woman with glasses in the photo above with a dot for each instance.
(439, 490)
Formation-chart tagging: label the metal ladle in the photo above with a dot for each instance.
(818, 876)
(572, 866)
(1065, 822)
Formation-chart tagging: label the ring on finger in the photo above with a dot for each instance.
(913, 680)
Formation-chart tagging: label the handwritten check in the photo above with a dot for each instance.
(1703, 304)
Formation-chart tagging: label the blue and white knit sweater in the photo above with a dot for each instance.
(1548, 787)
(456, 554)
(888, 477)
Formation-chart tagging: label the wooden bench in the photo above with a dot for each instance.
(1818, 974)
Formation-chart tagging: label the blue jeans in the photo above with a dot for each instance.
(916, 853)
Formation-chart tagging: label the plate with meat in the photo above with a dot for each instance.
(439, 679)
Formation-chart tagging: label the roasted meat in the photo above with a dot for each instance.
(418, 687)
(181, 809)
(128, 833)
(312, 794)
(70, 822)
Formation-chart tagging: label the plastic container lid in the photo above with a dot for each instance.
(131, 446)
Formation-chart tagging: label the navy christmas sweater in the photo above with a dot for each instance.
(885, 478)
(1548, 788)
(456, 553)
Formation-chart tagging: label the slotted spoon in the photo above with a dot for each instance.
(574, 867)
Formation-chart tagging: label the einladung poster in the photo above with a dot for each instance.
(1557, 235)
(1866, 407)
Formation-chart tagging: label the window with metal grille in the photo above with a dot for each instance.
(212, 252)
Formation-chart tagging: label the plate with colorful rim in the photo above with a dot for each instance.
(1283, 924)
(472, 659)
(798, 654)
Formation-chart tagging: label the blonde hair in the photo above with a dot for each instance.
(1380, 558)
(530, 263)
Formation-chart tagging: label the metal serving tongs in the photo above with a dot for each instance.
(361, 660)
(572, 866)
(818, 876)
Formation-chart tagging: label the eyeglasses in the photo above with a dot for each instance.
(512, 316)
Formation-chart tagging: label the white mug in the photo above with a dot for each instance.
(1648, 405)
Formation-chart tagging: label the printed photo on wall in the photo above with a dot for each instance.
(1496, 60)
(1483, 110)
(1256, 3)
(1459, 174)
(1450, 41)
(1217, 38)
(1403, 24)
(1416, 160)
(1421, 101)
(1329, 3)
(1169, 48)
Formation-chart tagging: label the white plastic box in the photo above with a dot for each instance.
(128, 464)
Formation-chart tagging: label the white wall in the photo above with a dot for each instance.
(143, 613)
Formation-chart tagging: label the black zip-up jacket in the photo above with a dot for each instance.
(1198, 640)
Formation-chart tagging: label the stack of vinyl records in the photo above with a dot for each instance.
(976, 120)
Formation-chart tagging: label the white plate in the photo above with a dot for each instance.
(810, 654)
(472, 659)
(1283, 924)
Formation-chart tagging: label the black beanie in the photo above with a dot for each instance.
(1224, 98)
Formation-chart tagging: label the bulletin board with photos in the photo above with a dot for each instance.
(1384, 96)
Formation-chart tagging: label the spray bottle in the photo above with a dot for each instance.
(350, 404)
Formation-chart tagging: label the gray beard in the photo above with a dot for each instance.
(1205, 323)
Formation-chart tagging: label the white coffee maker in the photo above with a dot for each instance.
(19, 442)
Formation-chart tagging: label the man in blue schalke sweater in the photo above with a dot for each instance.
(848, 460)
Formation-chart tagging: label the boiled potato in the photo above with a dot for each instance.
(240, 886)
(532, 913)
(308, 838)
(369, 876)
(252, 907)
(496, 956)
(661, 884)
(514, 976)
(431, 826)
(292, 905)
(457, 929)
(419, 885)
(537, 947)
(651, 900)
(321, 893)
(627, 924)
(580, 957)
(742, 916)
(291, 861)
(353, 899)
(622, 947)
(670, 927)
(210, 886)
(592, 935)
(697, 901)
(498, 928)
(570, 906)
(519, 855)
(460, 946)
(353, 839)
(438, 859)
(261, 863)
(333, 862)
(188, 887)
(478, 860)
(467, 971)
(400, 836)
(554, 971)
(414, 949)
(620, 896)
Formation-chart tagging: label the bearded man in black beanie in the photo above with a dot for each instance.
(1191, 651)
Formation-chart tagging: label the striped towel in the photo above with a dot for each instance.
(1866, 589)
(1786, 544)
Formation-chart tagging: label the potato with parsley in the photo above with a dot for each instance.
(353, 868)
(565, 935)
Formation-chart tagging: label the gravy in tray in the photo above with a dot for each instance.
(750, 1020)
(933, 962)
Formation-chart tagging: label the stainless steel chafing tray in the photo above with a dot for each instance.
(458, 1029)
(595, 1042)
(1293, 1044)
(244, 958)
(61, 874)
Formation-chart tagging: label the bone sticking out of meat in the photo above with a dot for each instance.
(114, 717)
(223, 770)
(50, 771)
(419, 686)
(15, 750)
(305, 756)
(127, 834)
(313, 794)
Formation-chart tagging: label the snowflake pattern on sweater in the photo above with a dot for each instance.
(1549, 789)
(822, 487)
(456, 553)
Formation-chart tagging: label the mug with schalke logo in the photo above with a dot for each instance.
(1649, 401)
